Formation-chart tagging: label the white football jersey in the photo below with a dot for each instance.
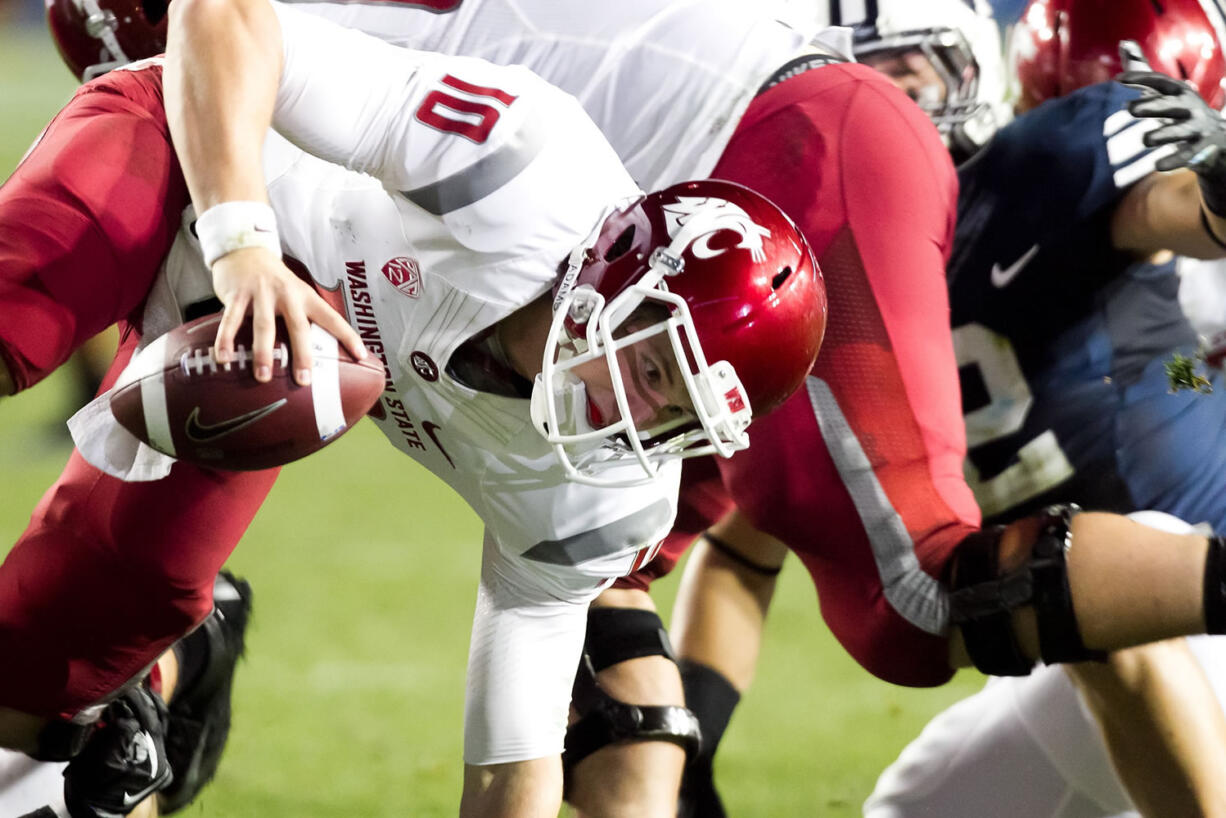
(29, 788)
(666, 81)
(1202, 294)
(474, 207)
(482, 180)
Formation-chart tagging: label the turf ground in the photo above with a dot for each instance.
(364, 567)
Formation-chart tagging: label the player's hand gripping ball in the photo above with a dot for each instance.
(175, 397)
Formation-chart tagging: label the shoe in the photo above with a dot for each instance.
(199, 722)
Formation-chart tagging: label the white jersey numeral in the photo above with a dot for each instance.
(1041, 463)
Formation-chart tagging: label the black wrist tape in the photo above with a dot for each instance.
(1213, 195)
(1204, 223)
(1215, 586)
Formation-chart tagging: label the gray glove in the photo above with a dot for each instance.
(1197, 131)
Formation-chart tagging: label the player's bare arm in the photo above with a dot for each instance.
(1164, 211)
(1183, 211)
(1136, 696)
(1128, 583)
(223, 58)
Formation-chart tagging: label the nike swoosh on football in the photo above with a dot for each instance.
(1001, 278)
(208, 432)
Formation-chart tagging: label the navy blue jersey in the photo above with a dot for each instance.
(1061, 339)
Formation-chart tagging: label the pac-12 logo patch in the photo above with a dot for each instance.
(405, 275)
(424, 366)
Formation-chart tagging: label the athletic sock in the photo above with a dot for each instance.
(192, 653)
(712, 698)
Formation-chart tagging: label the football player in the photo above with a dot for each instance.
(1084, 411)
(688, 89)
(1084, 199)
(574, 475)
(861, 472)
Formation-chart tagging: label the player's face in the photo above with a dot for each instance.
(655, 389)
(913, 72)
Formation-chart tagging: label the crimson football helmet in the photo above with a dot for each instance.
(1059, 46)
(94, 36)
(731, 283)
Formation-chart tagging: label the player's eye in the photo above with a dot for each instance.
(652, 375)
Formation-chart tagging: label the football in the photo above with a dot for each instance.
(175, 397)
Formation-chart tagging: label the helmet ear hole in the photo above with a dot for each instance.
(781, 277)
(155, 10)
(622, 246)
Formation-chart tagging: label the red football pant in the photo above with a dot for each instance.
(85, 221)
(108, 574)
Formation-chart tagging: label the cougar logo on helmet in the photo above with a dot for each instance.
(727, 216)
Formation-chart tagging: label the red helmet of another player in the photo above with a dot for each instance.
(94, 36)
(720, 272)
(1062, 45)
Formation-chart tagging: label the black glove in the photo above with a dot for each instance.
(124, 761)
(1196, 129)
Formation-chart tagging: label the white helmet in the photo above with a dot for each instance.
(959, 40)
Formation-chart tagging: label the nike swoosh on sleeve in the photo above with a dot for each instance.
(1002, 277)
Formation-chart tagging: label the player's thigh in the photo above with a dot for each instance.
(85, 221)
(983, 757)
(108, 574)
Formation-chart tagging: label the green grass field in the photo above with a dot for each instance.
(364, 566)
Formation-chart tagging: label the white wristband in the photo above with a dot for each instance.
(232, 226)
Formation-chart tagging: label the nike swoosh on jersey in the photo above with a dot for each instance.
(1002, 277)
(207, 432)
(431, 427)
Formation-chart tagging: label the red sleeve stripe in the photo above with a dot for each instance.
(477, 90)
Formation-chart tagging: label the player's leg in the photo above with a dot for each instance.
(106, 576)
(204, 663)
(1019, 748)
(1162, 726)
(647, 767)
(194, 679)
(85, 221)
(1028, 747)
(611, 770)
(718, 620)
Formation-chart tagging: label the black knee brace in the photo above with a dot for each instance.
(617, 635)
(982, 599)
